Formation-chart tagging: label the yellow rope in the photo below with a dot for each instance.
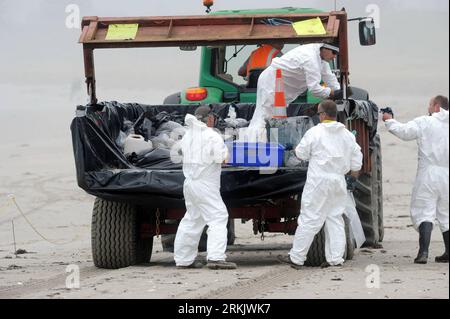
(12, 198)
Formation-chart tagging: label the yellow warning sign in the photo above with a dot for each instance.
(309, 27)
(122, 31)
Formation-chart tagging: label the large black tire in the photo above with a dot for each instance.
(316, 253)
(173, 99)
(231, 233)
(379, 168)
(144, 250)
(369, 199)
(230, 236)
(114, 234)
(168, 240)
(144, 247)
(350, 242)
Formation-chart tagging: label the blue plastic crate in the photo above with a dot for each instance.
(255, 154)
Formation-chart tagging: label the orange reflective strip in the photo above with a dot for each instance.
(272, 54)
(261, 57)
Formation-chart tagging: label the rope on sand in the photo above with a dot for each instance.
(12, 199)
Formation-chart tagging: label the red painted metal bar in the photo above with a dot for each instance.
(284, 208)
(362, 138)
(209, 30)
(343, 53)
(89, 71)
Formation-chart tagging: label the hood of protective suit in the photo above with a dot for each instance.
(333, 126)
(194, 140)
(191, 121)
(441, 116)
(203, 152)
(330, 149)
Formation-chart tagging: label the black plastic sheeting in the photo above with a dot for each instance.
(368, 112)
(104, 171)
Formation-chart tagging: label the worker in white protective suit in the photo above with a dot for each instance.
(332, 153)
(303, 68)
(429, 201)
(203, 152)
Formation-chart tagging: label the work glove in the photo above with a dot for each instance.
(387, 110)
(351, 182)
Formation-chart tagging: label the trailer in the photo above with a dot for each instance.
(134, 203)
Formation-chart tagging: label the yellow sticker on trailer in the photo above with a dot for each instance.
(309, 27)
(122, 31)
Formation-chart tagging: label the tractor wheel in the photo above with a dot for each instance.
(379, 168)
(316, 253)
(369, 200)
(350, 242)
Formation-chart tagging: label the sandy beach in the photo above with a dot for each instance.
(41, 175)
(42, 82)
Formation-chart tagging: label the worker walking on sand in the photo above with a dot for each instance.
(430, 193)
(303, 68)
(332, 152)
(203, 151)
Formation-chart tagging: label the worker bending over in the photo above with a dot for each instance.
(303, 68)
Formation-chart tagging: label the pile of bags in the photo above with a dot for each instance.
(151, 137)
(289, 132)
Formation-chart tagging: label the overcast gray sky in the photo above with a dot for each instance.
(411, 57)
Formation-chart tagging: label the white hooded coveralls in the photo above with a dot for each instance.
(302, 69)
(203, 153)
(332, 152)
(429, 200)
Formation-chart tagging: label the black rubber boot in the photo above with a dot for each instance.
(425, 230)
(444, 257)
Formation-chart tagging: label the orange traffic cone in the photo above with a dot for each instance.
(279, 105)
